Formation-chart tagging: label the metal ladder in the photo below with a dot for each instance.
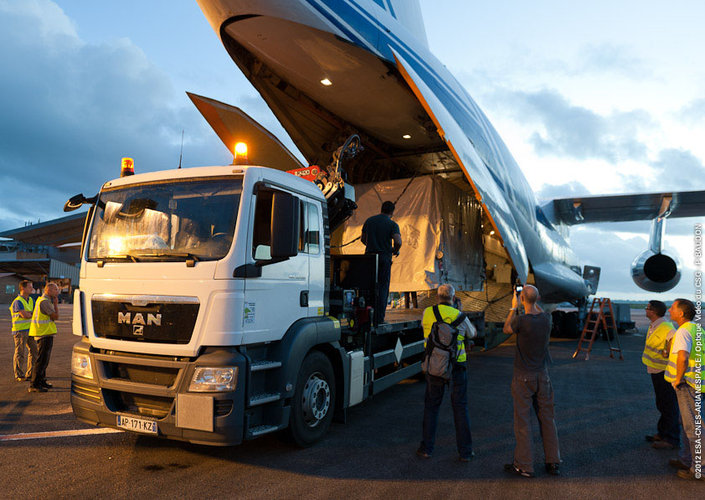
(604, 316)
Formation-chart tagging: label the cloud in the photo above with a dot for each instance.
(577, 132)
(677, 168)
(671, 170)
(552, 191)
(693, 112)
(77, 108)
(609, 58)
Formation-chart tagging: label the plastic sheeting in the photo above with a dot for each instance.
(440, 227)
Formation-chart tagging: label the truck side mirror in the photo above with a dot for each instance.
(78, 201)
(74, 203)
(285, 225)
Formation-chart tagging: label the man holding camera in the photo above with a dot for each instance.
(531, 385)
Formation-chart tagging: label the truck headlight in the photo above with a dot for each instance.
(207, 379)
(81, 365)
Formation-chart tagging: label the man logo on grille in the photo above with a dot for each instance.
(137, 329)
(138, 320)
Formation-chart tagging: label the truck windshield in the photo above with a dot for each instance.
(169, 221)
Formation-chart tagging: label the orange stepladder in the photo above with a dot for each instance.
(602, 316)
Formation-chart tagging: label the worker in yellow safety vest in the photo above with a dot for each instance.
(655, 357)
(458, 379)
(684, 372)
(43, 329)
(21, 312)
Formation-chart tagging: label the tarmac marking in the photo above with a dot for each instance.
(56, 434)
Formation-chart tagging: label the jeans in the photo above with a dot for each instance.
(533, 390)
(22, 342)
(384, 275)
(459, 400)
(692, 426)
(667, 404)
(39, 369)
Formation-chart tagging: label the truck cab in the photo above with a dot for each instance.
(205, 310)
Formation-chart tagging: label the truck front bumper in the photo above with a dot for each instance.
(144, 390)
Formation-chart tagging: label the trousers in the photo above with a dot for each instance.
(22, 365)
(668, 426)
(533, 390)
(39, 370)
(691, 416)
(384, 275)
(459, 401)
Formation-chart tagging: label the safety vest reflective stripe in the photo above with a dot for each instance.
(693, 372)
(655, 343)
(42, 324)
(18, 322)
(449, 314)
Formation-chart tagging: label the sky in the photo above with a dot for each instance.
(596, 97)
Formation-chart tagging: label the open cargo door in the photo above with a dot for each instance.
(234, 125)
(488, 193)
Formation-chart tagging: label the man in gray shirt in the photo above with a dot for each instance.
(531, 385)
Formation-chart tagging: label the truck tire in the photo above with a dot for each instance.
(314, 400)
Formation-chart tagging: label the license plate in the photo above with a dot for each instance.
(137, 424)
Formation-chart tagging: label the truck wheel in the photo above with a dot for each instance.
(314, 400)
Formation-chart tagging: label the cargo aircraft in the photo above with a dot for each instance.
(332, 68)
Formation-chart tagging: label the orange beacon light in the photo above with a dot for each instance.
(240, 157)
(127, 167)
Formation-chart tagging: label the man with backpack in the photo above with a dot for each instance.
(531, 385)
(445, 331)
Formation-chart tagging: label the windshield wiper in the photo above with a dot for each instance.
(175, 255)
(126, 256)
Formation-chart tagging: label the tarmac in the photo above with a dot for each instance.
(604, 408)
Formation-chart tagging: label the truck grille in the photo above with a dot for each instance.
(139, 404)
(152, 375)
(155, 319)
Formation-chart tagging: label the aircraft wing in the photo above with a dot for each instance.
(626, 207)
(488, 193)
(234, 125)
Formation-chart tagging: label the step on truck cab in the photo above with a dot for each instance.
(210, 310)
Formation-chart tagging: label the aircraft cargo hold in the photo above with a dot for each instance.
(441, 230)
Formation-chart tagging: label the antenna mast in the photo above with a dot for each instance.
(181, 153)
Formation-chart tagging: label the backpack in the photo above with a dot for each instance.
(441, 347)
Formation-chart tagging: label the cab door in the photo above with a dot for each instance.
(312, 224)
(276, 293)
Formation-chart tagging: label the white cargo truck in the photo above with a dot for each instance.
(210, 309)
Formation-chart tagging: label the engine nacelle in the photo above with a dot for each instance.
(655, 272)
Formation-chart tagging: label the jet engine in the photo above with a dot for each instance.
(654, 270)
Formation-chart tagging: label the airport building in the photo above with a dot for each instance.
(46, 251)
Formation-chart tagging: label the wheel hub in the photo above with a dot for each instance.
(315, 400)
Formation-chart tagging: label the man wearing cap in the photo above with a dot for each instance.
(21, 311)
(381, 236)
(43, 329)
(655, 357)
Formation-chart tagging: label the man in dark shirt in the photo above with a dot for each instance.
(378, 234)
(531, 385)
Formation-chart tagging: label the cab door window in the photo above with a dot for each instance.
(310, 230)
(262, 231)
